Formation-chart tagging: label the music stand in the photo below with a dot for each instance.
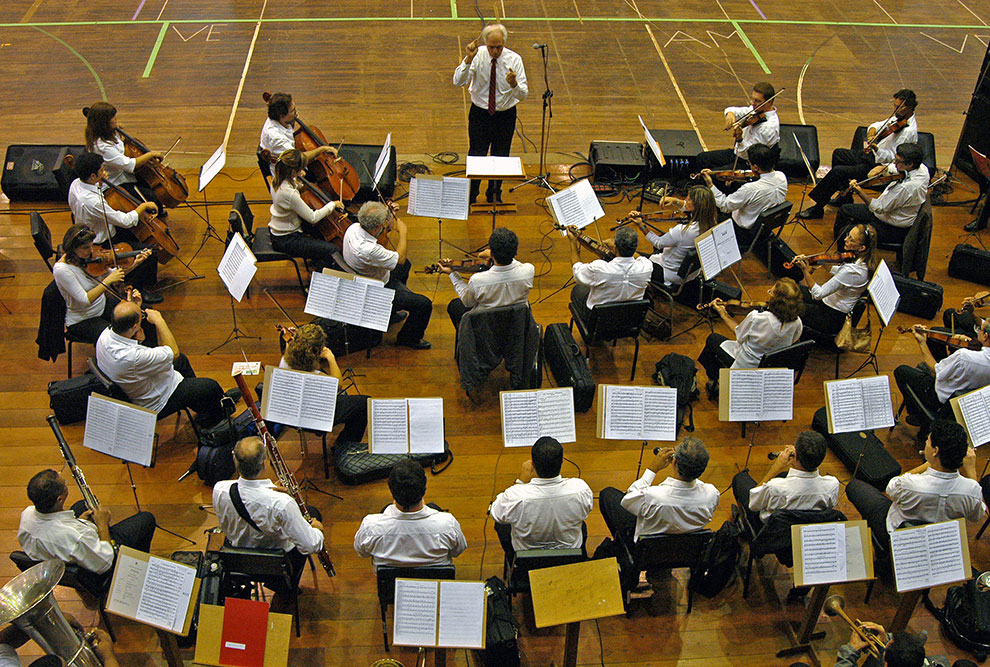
(541, 179)
(884, 297)
(982, 163)
(804, 192)
(237, 267)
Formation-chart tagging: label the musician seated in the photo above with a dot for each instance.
(89, 208)
(542, 510)
(622, 278)
(895, 210)
(792, 482)
(943, 488)
(159, 378)
(278, 132)
(289, 212)
(759, 334)
(254, 513)
(505, 284)
(765, 132)
(78, 536)
(12, 638)
(751, 199)
(367, 257)
(674, 246)
(902, 649)
(681, 503)
(408, 532)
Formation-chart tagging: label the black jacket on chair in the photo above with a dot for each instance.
(51, 329)
(486, 337)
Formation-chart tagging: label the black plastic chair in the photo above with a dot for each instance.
(610, 322)
(259, 240)
(767, 222)
(42, 237)
(265, 167)
(524, 562)
(827, 341)
(661, 552)
(659, 319)
(260, 566)
(387, 574)
(793, 356)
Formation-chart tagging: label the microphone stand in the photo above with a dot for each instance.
(547, 116)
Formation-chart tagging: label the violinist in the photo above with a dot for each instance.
(506, 283)
(289, 211)
(856, 163)
(763, 128)
(674, 246)
(759, 334)
(623, 278)
(89, 208)
(278, 132)
(894, 212)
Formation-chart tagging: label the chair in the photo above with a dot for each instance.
(42, 237)
(659, 319)
(260, 566)
(387, 574)
(264, 166)
(767, 222)
(827, 341)
(790, 161)
(661, 552)
(487, 337)
(793, 356)
(71, 580)
(610, 322)
(518, 569)
(926, 141)
(912, 252)
(260, 241)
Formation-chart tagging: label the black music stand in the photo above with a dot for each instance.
(542, 179)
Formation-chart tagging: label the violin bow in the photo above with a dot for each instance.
(279, 306)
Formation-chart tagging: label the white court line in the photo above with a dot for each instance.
(971, 12)
(162, 11)
(677, 89)
(885, 12)
(240, 84)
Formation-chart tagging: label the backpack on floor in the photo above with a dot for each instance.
(678, 371)
(501, 635)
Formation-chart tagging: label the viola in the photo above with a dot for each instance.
(886, 130)
(167, 184)
(731, 176)
(591, 244)
(882, 178)
(647, 218)
(822, 258)
(732, 303)
(978, 300)
(103, 259)
(156, 229)
(465, 265)
(953, 340)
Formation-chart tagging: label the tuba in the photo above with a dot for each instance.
(27, 602)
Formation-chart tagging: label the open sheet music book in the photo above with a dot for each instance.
(859, 404)
(120, 429)
(381, 164)
(831, 553)
(756, 394)
(531, 414)
(652, 143)
(152, 590)
(351, 299)
(637, 413)
(237, 267)
(405, 425)
(298, 398)
(439, 197)
(884, 292)
(972, 410)
(442, 614)
(494, 166)
(931, 555)
(717, 249)
(576, 205)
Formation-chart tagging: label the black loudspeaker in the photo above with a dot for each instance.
(37, 172)
(974, 131)
(679, 148)
(362, 157)
(616, 161)
(790, 161)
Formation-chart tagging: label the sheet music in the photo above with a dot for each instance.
(483, 166)
(823, 553)
(237, 267)
(425, 195)
(377, 307)
(529, 415)
(296, 398)
(640, 413)
(462, 614)
(425, 425)
(975, 408)
(165, 594)
(389, 426)
(855, 556)
(927, 556)
(945, 547)
(765, 394)
(884, 292)
(860, 404)
(708, 254)
(381, 164)
(415, 619)
(455, 198)
(576, 205)
(652, 143)
(212, 167)
(350, 301)
(726, 245)
(322, 296)
(361, 302)
(778, 394)
(120, 430)
(128, 578)
(556, 413)
(660, 413)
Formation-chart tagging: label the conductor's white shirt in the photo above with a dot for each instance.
(144, 373)
(363, 253)
(933, 496)
(619, 279)
(672, 506)
(477, 75)
(498, 286)
(800, 490)
(759, 334)
(753, 198)
(277, 515)
(766, 133)
(545, 513)
(394, 537)
(62, 536)
(89, 208)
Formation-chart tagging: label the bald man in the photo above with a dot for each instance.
(157, 378)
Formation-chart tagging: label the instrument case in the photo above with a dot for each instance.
(918, 297)
(970, 263)
(69, 399)
(356, 465)
(567, 365)
(877, 466)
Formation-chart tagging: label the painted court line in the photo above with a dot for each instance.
(154, 51)
(138, 10)
(99, 83)
(971, 12)
(240, 84)
(752, 49)
(677, 88)
(29, 14)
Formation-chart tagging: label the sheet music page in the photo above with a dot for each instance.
(823, 553)
(576, 205)
(745, 395)
(877, 406)
(482, 166)
(912, 563)
(389, 426)
(212, 167)
(349, 303)
(429, 192)
(425, 425)
(708, 254)
(652, 143)
(855, 558)
(237, 267)
(975, 409)
(623, 412)
(660, 413)
(415, 620)
(520, 418)
(462, 614)
(456, 197)
(778, 394)
(119, 430)
(945, 552)
(165, 594)
(129, 574)
(322, 295)
(381, 164)
(726, 245)
(377, 306)
(884, 292)
(556, 413)
(283, 399)
(319, 402)
(101, 425)
(845, 401)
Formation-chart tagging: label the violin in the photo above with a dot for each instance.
(103, 259)
(730, 176)
(880, 179)
(978, 300)
(954, 340)
(157, 229)
(591, 244)
(822, 258)
(732, 303)
(466, 265)
(753, 117)
(167, 184)
(885, 131)
(647, 218)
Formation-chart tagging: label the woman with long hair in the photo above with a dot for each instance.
(674, 246)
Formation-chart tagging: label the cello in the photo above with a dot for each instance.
(333, 226)
(167, 184)
(156, 229)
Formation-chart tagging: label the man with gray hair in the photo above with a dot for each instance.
(681, 503)
(368, 258)
(622, 278)
(497, 81)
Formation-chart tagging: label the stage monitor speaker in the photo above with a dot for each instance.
(974, 132)
(679, 148)
(790, 161)
(616, 162)
(36, 172)
(361, 156)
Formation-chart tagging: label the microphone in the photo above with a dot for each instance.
(539, 46)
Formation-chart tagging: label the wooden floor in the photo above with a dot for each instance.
(362, 69)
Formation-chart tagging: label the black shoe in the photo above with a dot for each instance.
(397, 317)
(838, 201)
(975, 226)
(233, 393)
(813, 213)
(421, 344)
(151, 297)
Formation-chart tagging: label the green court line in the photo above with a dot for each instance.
(99, 83)
(453, 9)
(752, 49)
(154, 51)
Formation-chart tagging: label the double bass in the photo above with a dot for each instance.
(167, 184)
(155, 229)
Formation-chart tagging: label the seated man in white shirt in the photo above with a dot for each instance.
(756, 131)
(78, 536)
(791, 483)
(255, 514)
(506, 283)
(409, 533)
(278, 132)
(623, 278)
(368, 258)
(157, 378)
(944, 487)
(542, 510)
(681, 503)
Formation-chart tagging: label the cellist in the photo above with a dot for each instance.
(278, 132)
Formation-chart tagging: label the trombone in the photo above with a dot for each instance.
(835, 606)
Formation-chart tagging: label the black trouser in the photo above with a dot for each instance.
(302, 245)
(855, 214)
(201, 395)
(144, 275)
(620, 521)
(922, 382)
(713, 358)
(872, 505)
(720, 160)
(847, 165)
(352, 412)
(135, 532)
(742, 484)
(456, 310)
(487, 132)
(579, 297)
(820, 317)
(89, 330)
(419, 307)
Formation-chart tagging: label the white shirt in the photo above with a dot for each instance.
(899, 203)
(498, 286)
(760, 334)
(89, 208)
(144, 373)
(289, 210)
(62, 536)
(477, 73)
(363, 253)
(751, 199)
(671, 507)
(960, 371)
(73, 283)
(887, 147)
(546, 513)
(767, 132)
(800, 490)
(844, 288)
(394, 537)
(620, 279)
(933, 496)
(276, 137)
(674, 247)
(276, 514)
(119, 167)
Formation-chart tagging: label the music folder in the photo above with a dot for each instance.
(154, 591)
(211, 635)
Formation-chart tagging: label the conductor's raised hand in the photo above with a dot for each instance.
(471, 50)
(510, 77)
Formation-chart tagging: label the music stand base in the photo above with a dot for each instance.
(137, 503)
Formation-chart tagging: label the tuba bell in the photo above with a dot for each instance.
(27, 602)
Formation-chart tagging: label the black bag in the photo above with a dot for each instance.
(918, 297)
(678, 371)
(607, 549)
(966, 618)
(356, 465)
(719, 563)
(568, 366)
(357, 338)
(214, 461)
(780, 253)
(68, 398)
(877, 466)
(501, 635)
(970, 263)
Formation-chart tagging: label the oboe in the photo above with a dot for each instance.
(282, 472)
(70, 461)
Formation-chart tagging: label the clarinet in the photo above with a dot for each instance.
(70, 461)
(282, 472)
